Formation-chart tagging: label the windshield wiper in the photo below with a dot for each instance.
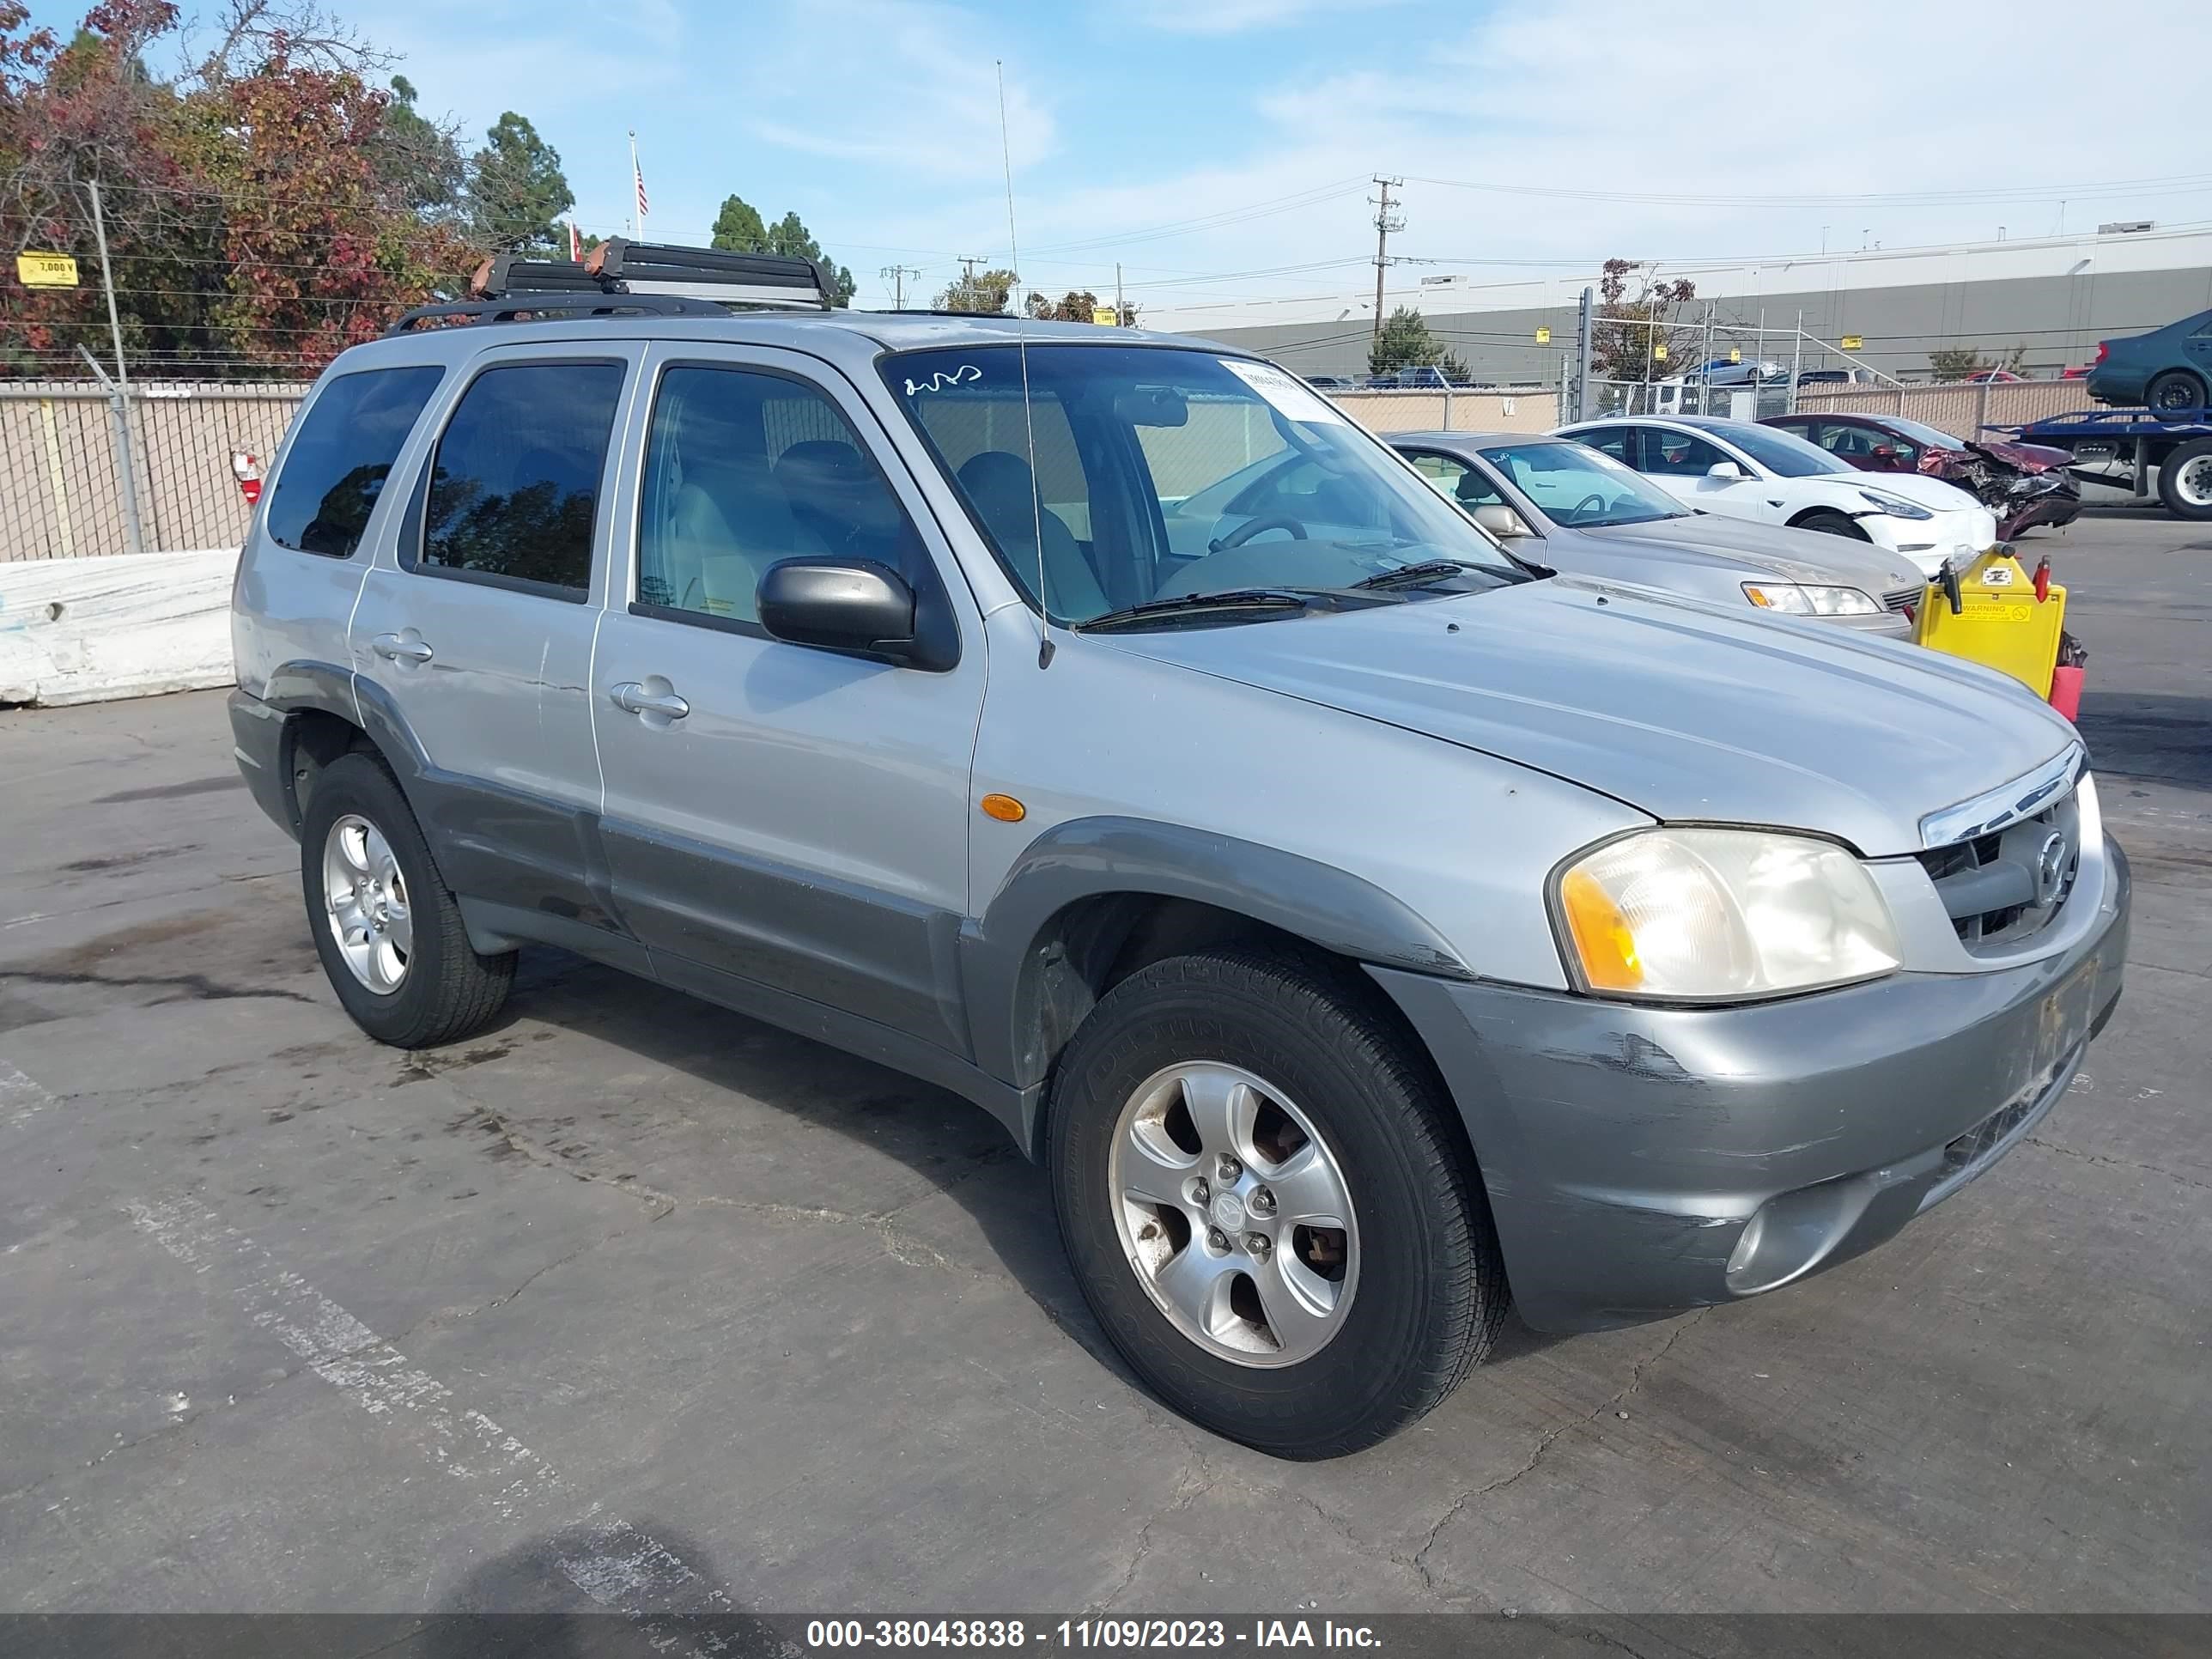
(1414, 575)
(1232, 599)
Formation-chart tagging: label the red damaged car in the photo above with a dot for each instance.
(2024, 485)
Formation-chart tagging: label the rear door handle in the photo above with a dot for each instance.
(633, 698)
(408, 647)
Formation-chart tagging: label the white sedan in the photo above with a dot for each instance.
(1763, 473)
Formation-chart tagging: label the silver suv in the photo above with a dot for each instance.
(1366, 930)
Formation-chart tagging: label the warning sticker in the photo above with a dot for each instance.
(1287, 392)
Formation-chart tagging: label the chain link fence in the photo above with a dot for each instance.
(80, 461)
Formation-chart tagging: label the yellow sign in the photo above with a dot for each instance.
(1852, 342)
(1543, 337)
(1103, 316)
(1659, 353)
(46, 270)
(1735, 353)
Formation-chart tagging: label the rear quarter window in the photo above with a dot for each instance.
(338, 462)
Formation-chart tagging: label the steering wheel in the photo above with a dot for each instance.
(1244, 533)
(1593, 500)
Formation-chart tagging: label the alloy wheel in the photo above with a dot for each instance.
(1234, 1215)
(365, 898)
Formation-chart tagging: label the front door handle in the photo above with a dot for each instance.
(635, 699)
(408, 647)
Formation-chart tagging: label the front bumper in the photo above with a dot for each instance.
(1931, 543)
(1627, 1149)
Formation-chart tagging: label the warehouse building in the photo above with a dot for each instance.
(2052, 298)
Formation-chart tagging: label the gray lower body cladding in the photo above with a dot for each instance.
(1625, 1150)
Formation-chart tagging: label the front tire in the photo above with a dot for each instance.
(386, 928)
(1266, 1203)
(1830, 523)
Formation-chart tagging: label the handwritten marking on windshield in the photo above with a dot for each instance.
(940, 380)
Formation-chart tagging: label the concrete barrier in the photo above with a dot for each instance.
(87, 631)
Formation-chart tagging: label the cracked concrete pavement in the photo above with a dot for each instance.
(633, 1303)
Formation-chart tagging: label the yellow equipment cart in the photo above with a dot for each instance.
(1993, 612)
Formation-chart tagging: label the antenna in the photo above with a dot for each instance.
(1028, 421)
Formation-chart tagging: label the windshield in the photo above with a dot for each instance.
(1161, 474)
(1921, 433)
(1778, 452)
(1576, 486)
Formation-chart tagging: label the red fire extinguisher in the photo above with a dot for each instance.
(247, 471)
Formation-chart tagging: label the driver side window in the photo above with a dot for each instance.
(1678, 455)
(1456, 479)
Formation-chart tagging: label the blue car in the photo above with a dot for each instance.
(2168, 369)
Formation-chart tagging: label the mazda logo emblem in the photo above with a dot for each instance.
(2050, 861)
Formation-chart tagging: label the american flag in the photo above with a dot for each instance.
(639, 176)
(575, 243)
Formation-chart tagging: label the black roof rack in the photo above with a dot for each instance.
(553, 308)
(706, 273)
(627, 278)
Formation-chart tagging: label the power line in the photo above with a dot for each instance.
(2169, 184)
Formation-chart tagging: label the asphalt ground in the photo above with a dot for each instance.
(634, 1303)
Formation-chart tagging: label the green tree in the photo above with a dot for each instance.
(1406, 342)
(418, 159)
(739, 229)
(517, 192)
(1954, 363)
(984, 291)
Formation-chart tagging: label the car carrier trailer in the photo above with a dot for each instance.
(2167, 454)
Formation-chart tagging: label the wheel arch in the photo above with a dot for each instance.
(328, 712)
(1094, 900)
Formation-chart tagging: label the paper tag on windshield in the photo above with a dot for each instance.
(1289, 395)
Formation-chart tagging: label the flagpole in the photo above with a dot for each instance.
(636, 191)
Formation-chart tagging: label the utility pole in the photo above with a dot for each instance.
(1584, 407)
(897, 275)
(119, 395)
(1119, 314)
(1385, 222)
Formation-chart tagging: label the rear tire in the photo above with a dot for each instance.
(1419, 1288)
(2176, 389)
(2185, 479)
(1830, 523)
(386, 926)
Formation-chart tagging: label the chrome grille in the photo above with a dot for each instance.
(1903, 601)
(2005, 887)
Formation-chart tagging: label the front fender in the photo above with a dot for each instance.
(1096, 857)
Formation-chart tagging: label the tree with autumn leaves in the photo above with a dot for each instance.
(266, 205)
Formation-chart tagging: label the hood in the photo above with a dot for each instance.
(1681, 709)
(2028, 457)
(1797, 555)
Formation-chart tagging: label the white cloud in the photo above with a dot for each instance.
(1733, 100)
(1237, 16)
(905, 87)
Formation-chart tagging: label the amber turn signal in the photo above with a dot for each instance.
(1603, 938)
(1005, 808)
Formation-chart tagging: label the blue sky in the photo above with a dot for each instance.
(1221, 149)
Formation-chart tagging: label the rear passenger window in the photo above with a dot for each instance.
(344, 453)
(745, 469)
(1612, 441)
(515, 487)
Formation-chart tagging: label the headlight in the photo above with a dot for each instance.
(1697, 915)
(1895, 506)
(1801, 601)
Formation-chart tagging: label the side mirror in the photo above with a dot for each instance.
(1502, 522)
(856, 606)
(1726, 471)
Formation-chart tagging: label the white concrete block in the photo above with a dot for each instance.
(130, 625)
